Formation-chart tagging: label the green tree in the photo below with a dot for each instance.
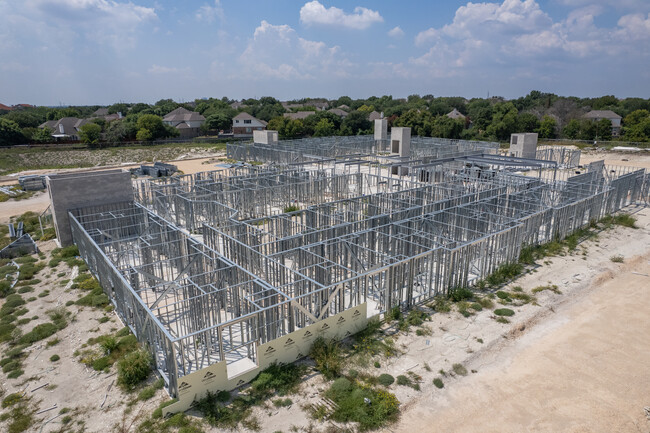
(635, 117)
(42, 135)
(572, 129)
(120, 130)
(153, 124)
(324, 128)
(90, 133)
(547, 127)
(144, 135)
(604, 129)
(504, 121)
(287, 128)
(60, 113)
(527, 122)
(445, 127)
(120, 107)
(218, 121)
(10, 133)
(356, 122)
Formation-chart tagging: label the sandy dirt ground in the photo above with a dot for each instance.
(583, 368)
(36, 203)
(187, 164)
(573, 361)
(639, 159)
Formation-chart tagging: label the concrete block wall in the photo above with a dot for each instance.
(80, 189)
(265, 137)
(381, 129)
(523, 145)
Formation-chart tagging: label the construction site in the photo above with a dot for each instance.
(223, 271)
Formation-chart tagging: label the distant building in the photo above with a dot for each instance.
(66, 128)
(237, 105)
(344, 107)
(319, 105)
(374, 115)
(100, 112)
(299, 114)
(455, 114)
(338, 112)
(187, 122)
(615, 119)
(4, 107)
(244, 124)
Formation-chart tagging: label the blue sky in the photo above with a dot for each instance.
(76, 52)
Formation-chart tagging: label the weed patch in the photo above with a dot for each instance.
(368, 407)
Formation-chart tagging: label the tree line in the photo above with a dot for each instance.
(495, 118)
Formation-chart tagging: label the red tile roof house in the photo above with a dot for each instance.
(187, 122)
(244, 124)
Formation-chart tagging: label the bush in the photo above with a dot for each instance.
(458, 294)
(38, 333)
(351, 406)
(504, 273)
(11, 400)
(377, 364)
(15, 373)
(438, 383)
(328, 358)
(504, 312)
(54, 358)
(459, 369)
(393, 314)
(403, 380)
(133, 369)
(386, 379)
(291, 208)
(6, 289)
(281, 379)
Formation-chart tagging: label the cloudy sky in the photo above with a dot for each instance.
(103, 51)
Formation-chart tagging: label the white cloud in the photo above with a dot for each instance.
(516, 38)
(101, 21)
(210, 13)
(396, 32)
(314, 12)
(427, 35)
(276, 51)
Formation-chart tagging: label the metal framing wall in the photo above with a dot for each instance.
(205, 268)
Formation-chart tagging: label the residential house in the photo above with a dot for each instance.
(66, 128)
(375, 115)
(320, 105)
(244, 124)
(299, 114)
(344, 107)
(237, 105)
(615, 119)
(455, 114)
(187, 122)
(102, 113)
(338, 112)
(4, 107)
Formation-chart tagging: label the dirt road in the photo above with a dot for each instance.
(585, 369)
